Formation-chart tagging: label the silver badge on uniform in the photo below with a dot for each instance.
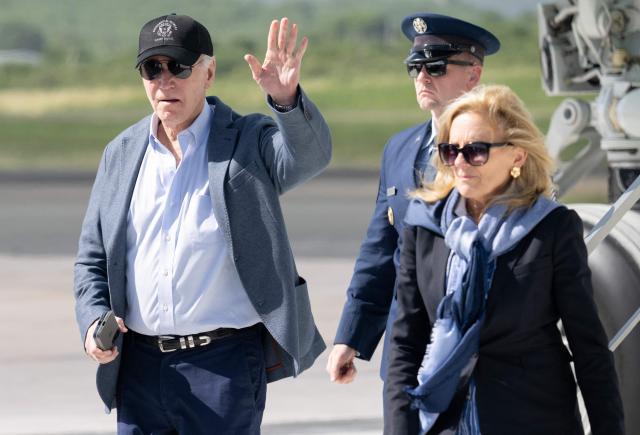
(391, 191)
(419, 25)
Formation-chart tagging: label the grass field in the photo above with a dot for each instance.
(66, 128)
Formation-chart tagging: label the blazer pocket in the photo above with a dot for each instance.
(244, 175)
(533, 267)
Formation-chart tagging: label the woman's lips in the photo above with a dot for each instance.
(465, 176)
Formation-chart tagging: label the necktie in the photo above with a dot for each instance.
(422, 168)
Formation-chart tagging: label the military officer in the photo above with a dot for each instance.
(445, 60)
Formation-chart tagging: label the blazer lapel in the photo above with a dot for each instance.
(401, 171)
(220, 148)
(132, 149)
(435, 255)
(131, 152)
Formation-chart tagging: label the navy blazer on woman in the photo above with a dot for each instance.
(523, 377)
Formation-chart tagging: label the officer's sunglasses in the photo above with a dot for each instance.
(151, 69)
(436, 68)
(474, 153)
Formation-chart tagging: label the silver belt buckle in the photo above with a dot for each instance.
(205, 339)
(161, 340)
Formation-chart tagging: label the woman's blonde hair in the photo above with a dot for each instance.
(504, 111)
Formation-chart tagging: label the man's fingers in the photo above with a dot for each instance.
(340, 366)
(121, 324)
(89, 342)
(329, 364)
(272, 39)
(254, 64)
(333, 365)
(99, 354)
(104, 356)
(302, 49)
(334, 372)
(291, 40)
(282, 34)
(345, 374)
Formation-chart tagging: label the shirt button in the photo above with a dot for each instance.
(165, 308)
(167, 238)
(165, 272)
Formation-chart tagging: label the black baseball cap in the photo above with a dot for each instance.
(179, 37)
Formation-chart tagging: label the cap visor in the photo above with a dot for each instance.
(181, 55)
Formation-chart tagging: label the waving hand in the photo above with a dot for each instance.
(279, 74)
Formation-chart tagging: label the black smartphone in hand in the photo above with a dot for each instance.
(106, 331)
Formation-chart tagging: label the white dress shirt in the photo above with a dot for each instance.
(434, 134)
(180, 277)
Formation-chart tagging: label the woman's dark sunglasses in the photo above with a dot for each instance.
(436, 68)
(152, 68)
(474, 153)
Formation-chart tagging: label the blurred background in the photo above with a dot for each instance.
(68, 83)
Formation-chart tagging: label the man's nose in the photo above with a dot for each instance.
(423, 75)
(165, 76)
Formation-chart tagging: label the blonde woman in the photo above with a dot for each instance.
(489, 265)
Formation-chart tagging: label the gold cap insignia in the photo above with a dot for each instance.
(419, 25)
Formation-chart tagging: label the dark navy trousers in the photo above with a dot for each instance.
(216, 389)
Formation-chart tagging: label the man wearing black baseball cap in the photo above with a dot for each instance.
(184, 240)
(444, 61)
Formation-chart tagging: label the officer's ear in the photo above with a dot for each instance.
(474, 71)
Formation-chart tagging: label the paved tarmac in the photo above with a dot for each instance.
(46, 382)
(41, 214)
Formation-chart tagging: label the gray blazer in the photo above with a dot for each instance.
(252, 160)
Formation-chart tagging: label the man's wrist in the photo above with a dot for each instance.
(285, 104)
(356, 352)
(284, 107)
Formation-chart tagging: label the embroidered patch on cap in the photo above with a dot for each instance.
(164, 29)
(419, 25)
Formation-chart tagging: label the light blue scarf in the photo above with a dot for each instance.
(453, 351)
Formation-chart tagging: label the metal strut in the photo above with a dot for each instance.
(601, 230)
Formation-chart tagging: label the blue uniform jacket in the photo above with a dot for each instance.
(370, 305)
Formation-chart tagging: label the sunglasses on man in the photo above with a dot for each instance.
(436, 68)
(151, 69)
(474, 153)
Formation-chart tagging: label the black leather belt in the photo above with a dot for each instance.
(171, 343)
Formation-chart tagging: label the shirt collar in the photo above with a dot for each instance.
(434, 133)
(198, 131)
(461, 207)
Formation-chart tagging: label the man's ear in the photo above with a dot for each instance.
(475, 72)
(211, 72)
